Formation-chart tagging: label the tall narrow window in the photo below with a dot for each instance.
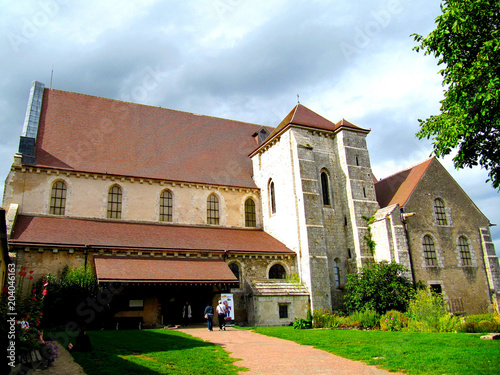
(58, 198)
(337, 273)
(213, 210)
(440, 211)
(463, 246)
(429, 251)
(272, 197)
(250, 218)
(114, 202)
(277, 272)
(166, 206)
(325, 189)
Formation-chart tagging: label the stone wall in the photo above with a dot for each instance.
(467, 283)
(87, 196)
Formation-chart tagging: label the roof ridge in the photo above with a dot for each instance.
(155, 107)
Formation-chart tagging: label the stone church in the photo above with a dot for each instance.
(166, 207)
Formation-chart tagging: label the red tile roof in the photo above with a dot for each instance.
(303, 116)
(66, 232)
(162, 270)
(91, 134)
(399, 187)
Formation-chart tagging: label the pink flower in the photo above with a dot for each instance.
(45, 284)
(44, 293)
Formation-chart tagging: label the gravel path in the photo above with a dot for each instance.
(269, 355)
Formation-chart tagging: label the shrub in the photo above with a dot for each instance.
(393, 320)
(425, 312)
(364, 319)
(300, 323)
(380, 287)
(481, 323)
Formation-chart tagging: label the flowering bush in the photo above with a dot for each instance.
(393, 321)
(29, 300)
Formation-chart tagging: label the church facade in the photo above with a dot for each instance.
(167, 207)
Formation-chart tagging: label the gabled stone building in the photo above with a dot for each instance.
(174, 206)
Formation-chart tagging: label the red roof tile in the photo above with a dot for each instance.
(92, 134)
(66, 232)
(399, 187)
(162, 270)
(303, 116)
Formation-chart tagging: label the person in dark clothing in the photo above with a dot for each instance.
(82, 343)
(209, 316)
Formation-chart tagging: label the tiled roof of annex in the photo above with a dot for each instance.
(399, 187)
(98, 135)
(71, 232)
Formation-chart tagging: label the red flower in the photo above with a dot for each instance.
(44, 293)
(33, 291)
(31, 272)
(23, 268)
(34, 298)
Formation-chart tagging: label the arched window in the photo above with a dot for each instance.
(58, 198)
(429, 251)
(337, 273)
(250, 217)
(166, 206)
(440, 211)
(213, 210)
(325, 189)
(463, 246)
(277, 272)
(272, 197)
(114, 202)
(236, 270)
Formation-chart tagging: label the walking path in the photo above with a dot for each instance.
(268, 355)
(62, 365)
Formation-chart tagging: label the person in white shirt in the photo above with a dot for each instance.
(221, 313)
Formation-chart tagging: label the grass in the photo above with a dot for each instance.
(410, 353)
(156, 351)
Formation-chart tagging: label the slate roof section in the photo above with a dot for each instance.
(162, 270)
(70, 232)
(98, 135)
(399, 187)
(277, 288)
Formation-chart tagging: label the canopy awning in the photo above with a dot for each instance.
(163, 270)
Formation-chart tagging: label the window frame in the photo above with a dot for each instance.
(213, 209)
(250, 213)
(166, 204)
(429, 251)
(114, 206)
(464, 251)
(274, 272)
(272, 197)
(440, 212)
(325, 188)
(58, 195)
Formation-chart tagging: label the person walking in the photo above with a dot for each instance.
(209, 316)
(221, 314)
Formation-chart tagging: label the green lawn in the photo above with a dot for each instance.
(171, 352)
(148, 352)
(410, 353)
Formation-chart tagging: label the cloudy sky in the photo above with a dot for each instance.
(240, 59)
